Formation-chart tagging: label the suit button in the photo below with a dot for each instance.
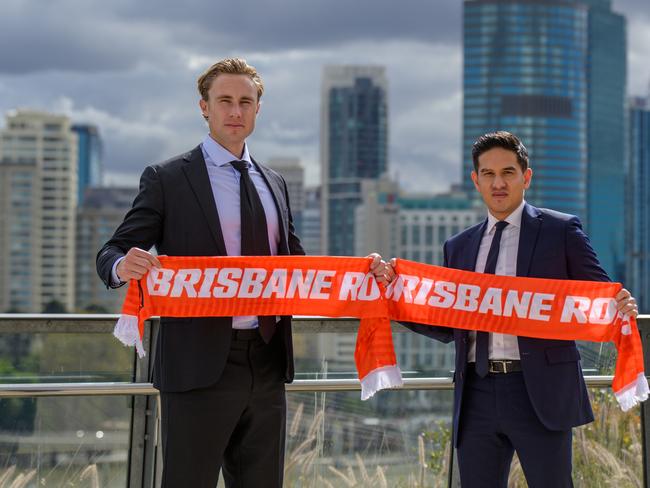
(461, 375)
(464, 340)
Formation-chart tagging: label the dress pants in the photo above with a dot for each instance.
(498, 419)
(236, 425)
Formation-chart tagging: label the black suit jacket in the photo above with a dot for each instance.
(175, 211)
(551, 245)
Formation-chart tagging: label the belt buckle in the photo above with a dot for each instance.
(504, 365)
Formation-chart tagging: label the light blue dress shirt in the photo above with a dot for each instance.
(224, 180)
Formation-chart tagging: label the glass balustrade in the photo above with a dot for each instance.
(399, 438)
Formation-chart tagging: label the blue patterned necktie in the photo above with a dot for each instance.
(482, 338)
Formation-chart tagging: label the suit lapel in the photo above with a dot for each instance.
(473, 244)
(197, 175)
(278, 196)
(531, 222)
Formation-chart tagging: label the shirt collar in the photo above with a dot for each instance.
(219, 155)
(514, 219)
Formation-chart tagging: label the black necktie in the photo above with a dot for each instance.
(254, 233)
(482, 338)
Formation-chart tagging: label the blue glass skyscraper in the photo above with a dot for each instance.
(638, 190)
(89, 156)
(606, 135)
(354, 140)
(553, 73)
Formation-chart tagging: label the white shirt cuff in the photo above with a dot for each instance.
(115, 280)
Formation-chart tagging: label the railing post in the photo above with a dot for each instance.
(644, 330)
(145, 463)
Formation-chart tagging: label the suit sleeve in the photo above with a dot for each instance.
(141, 227)
(442, 334)
(582, 261)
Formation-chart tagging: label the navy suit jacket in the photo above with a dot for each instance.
(175, 211)
(551, 245)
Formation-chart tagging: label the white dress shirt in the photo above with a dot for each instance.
(500, 346)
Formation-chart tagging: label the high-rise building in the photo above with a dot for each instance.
(294, 175)
(310, 234)
(638, 190)
(376, 219)
(427, 221)
(38, 198)
(102, 211)
(413, 227)
(89, 157)
(553, 73)
(354, 146)
(607, 69)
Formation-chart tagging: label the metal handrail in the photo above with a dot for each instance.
(23, 390)
(104, 323)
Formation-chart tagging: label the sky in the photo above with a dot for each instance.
(130, 67)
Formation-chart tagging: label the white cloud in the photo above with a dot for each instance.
(134, 76)
(111, 125)
(639, 56)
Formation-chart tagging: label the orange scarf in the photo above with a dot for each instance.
(433, 295)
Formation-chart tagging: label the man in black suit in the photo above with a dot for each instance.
(517, 393)
(221, 380)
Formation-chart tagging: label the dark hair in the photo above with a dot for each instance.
(504, 140)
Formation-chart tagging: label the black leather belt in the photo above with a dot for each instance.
(246, 334)
(504, 366)
(501, 366)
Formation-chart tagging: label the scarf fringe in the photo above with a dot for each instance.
(380, 379)
(631, 395)
(128, 333)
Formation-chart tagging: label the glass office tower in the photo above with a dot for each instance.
(638, 189)
(89, 156)
(354, 145)
(553, 73)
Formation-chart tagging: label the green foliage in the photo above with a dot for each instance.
(54, 306)
(97, 357)
(438, 444)
(95, 308)
(16, 414)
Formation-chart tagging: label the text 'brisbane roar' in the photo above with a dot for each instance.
(260, 283)
(501, 302)
(279, 284)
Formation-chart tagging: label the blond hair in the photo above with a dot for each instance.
(233, 66)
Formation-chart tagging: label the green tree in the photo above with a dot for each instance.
(54, 306)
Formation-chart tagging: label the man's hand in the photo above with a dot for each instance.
(135, 264)
(625, 303)
(383, 272)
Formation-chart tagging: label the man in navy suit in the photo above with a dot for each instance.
(516, 393)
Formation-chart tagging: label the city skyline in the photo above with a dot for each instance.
(125, 68)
